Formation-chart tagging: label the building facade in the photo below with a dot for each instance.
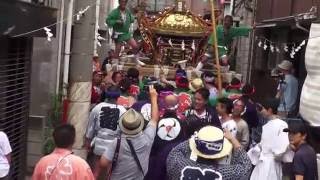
(284, 23)
(18, 58)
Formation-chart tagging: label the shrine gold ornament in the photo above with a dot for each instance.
(176, 34)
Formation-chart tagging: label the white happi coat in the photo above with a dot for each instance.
(269, 152)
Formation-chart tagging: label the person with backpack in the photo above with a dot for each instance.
(102, 126)
(127, 156)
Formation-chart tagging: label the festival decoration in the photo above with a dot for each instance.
(99, 38)
(9, 30)
(78, 15)
(183, 45)
(170, 43)
(290, 48)
(193, 46)
(81, 12)
(48, 32)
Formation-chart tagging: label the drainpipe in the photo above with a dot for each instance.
(60, 46)
(67, 49)
(67, 62)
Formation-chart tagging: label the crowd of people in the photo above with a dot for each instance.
(154, 128)
(146, 128)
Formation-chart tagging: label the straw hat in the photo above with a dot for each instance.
(209, 143)
(285, 65)
(196, 84)
(131, 122)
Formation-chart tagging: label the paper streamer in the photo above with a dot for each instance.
(48, 32)
(193, 46)
(170, 43)
(183, 45)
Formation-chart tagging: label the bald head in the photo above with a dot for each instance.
(171, 101)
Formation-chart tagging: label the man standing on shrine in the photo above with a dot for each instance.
(120, 19)
(225, 35)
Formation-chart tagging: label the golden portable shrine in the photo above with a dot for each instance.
(175, 34)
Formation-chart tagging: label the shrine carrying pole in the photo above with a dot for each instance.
(215, 47)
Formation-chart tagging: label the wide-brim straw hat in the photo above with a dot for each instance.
(210, 143)
(285, 65)
(131, 122)
(196, 84)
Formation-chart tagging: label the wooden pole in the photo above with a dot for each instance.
(215, 47)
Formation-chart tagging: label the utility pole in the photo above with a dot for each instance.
(66, 63)
(80, 77)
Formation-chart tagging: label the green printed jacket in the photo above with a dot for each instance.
(226, 40)
(112, 19)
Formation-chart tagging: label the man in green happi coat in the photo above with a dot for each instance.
(226, 33)
(120, 19)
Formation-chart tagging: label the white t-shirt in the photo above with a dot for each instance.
(5, 149)
(231, 125)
